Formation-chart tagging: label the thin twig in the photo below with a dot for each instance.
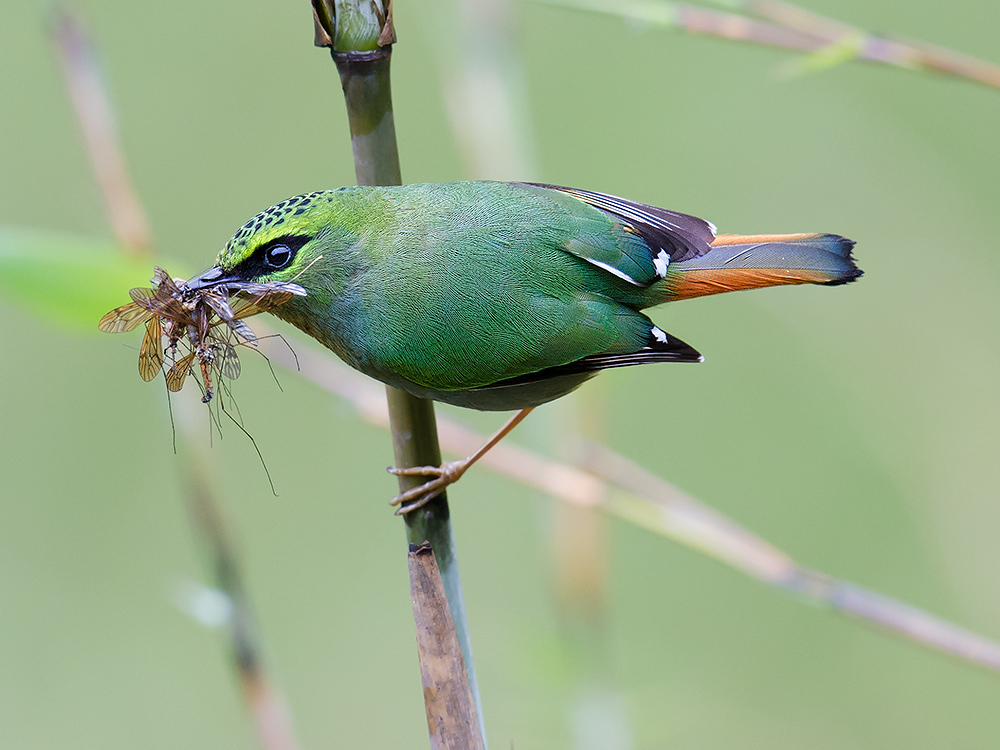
(720, 537)
(793, 17)
(606, 480)
(894, 50)
(96, 120)
(267, 708)
(790, 27)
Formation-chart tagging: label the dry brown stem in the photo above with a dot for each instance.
(451, 710)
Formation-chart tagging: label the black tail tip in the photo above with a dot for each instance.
(668, 348)
(844, 249)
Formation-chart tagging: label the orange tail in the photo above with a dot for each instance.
(737, 262)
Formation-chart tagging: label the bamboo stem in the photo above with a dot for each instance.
(451, 711)
(364, 76)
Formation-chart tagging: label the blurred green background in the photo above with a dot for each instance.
(856, 427)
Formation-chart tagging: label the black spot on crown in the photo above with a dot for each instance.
(275, 215)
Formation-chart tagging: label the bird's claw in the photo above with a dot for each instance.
(418, 497)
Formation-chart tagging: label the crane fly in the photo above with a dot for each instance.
(212, 341)
(185, 326)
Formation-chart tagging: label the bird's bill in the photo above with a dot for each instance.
(213, 277)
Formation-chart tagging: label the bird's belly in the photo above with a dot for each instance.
(499, 396)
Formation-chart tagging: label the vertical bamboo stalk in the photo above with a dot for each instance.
(361, 48)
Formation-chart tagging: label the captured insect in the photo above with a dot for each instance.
(185, 326)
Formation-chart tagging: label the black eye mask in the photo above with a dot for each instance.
(272, 256)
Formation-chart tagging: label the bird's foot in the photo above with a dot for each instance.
(418, 497)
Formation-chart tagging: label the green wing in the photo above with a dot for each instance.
(633, 241)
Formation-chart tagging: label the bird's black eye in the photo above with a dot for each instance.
(278, 256)
(270, 257)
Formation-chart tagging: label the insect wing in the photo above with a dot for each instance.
(178, 372)
(151, 351)
(255, 288)
(160, 300)
(164, 284)
(243, 331)
(169, 307)
(220, 305)
(227, 359)
(143, 296)
(173, 309)
(125, 318)
(246, 307)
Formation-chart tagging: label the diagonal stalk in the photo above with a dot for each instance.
(96, 119)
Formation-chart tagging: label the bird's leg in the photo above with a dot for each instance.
(448, 473)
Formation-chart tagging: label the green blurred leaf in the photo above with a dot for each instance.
(68, 279)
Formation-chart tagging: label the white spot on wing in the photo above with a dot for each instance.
(661, 262)
(613, 270)
(715, 229)
(660, 335)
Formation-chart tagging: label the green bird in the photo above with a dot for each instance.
(500, 296)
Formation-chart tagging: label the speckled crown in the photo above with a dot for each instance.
(276, 215)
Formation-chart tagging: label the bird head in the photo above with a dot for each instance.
(287, 243)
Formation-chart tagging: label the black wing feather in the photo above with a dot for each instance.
(671, 350)
(682, 236)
